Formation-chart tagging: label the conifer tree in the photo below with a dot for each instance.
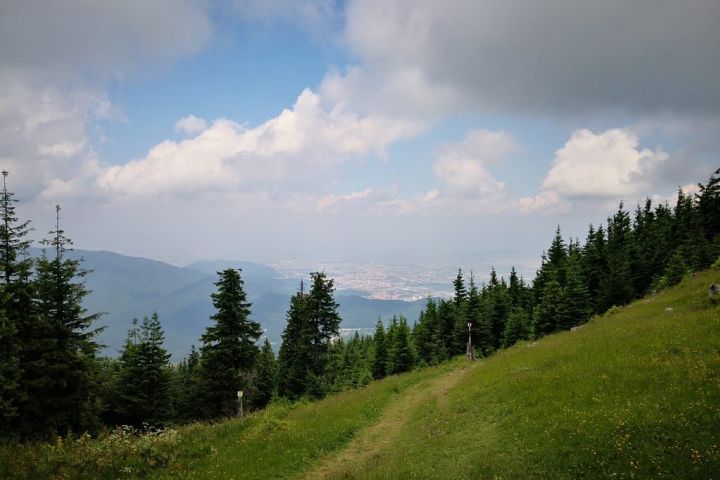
(265, 375)
(15, 304)
(576, 308)
(517, 328)
(58, 352)
(549, 309)
(708, 205)
(186, 388)
(144, 381)
(401, 357)
(229, 350)
(617, 286)
(379, 367)
(294, 356)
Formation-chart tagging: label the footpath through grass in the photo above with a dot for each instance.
(634, 394)
(283, 440)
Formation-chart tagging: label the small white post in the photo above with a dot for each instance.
(240, 403)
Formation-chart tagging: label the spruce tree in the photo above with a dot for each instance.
(323, 323)
(550, 308)
(229, 350)
(379, 367)
(401, 357)
(58, 352)
(15, 305)
(294, 356)
(144, 380)
(517, 328)
(617, 286)
(265, 375)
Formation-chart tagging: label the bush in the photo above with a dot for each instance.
(121, 453)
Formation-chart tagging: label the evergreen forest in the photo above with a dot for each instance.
(54, 382)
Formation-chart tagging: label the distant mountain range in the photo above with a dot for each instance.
(127, 287)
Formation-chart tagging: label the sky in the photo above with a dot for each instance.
(395, 130)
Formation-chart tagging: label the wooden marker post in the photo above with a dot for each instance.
(470, 349)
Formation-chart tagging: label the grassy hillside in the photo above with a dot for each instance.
(633, 394)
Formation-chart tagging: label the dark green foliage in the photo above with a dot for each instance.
(708, 207)
(379, 366)
(293, 358)
(228, 351)
(265, 376)
(401, 357)
(517, 328)
(186, 388)
(16, 293)
(616, 286)
(676, 269)
(305, 354)
(549, 310)
(57, 349)
(496, 308)
(143, 388)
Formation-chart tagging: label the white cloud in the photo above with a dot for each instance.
(463, 166)
(609, 164)
(190, 125)
(328, 201)
(297, 144)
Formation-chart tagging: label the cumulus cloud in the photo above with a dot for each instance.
(228, 155)
(55, 60)
(463, 166)
(555, 55)
(190, 125)
(607, 165)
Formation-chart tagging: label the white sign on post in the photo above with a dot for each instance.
(240, 393)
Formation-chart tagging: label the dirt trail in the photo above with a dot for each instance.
(370, 444)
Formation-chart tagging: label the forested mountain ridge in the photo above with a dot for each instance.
(126, 287)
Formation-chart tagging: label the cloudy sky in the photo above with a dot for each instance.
(414, 130)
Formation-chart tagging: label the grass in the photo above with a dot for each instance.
(633, 394)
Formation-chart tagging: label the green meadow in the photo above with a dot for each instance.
(634, 393)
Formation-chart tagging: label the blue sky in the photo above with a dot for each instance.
(274, 129)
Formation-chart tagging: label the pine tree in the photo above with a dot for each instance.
(401, 357)
(617, 286)
(547, 312)
(517, 328)
(186, 388)
(312, 322)
(595, 255)
(229, 350)
(323, 323)
(557, 257)
(675, 271)
(144, 381)
(266, 375)
(59, 350)
(294, 356)
(576, 306)
(15, 304)
(708, 205)
(379, 367)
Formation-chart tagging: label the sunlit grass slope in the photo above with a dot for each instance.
(635, 393)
